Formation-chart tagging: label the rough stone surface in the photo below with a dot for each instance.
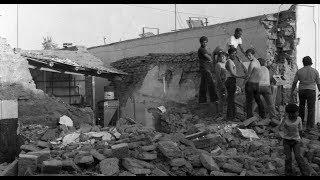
(208, 162)
(109, 166)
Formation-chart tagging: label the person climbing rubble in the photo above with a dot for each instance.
(309, 79)
(230, 83)
(289, 128)
(235, 40)
(221, 72)
(265, 88)
(207, 83)
(252, 79)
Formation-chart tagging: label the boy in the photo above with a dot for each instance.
(289, 131)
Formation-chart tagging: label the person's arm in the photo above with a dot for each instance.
(248, 74)
(231, 70)
(241, 49)
(208, 57)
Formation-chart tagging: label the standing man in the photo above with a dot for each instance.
(235, 40)
(252, 79)
(265, 88)
(309, 79)
(231, 83)
(205, 66)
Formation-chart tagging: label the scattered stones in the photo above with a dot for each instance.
(208, 162)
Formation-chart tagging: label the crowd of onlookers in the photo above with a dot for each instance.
(220, 65)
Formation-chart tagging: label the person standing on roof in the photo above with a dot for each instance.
(205, 67)
(252, 80)
(235, 40)
(231, 83)
(309, 81)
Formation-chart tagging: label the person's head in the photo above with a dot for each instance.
(250, 54)
(292, 110)
(222, 56)
(262, 61)
(307, 61)
(203, 41)
(238, 33)
(232, 52)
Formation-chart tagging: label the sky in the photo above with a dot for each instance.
(88, 24)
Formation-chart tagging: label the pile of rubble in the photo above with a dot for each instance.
(130, 150)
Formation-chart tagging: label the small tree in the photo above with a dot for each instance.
(48, 43)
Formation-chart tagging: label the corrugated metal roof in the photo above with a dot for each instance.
(78, 57)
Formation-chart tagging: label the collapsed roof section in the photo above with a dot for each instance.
(74, 60)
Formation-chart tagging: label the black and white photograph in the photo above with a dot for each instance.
(159, 89)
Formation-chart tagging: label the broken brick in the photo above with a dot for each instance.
(109, 166)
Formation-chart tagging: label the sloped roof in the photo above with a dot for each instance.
(76, 56)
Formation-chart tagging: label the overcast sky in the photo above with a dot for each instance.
(87, 24)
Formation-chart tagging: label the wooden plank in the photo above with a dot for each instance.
(196, 135)
(11, 170)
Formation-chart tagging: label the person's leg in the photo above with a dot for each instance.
(203, 87)
(265, 91)
(233, 93)
(311, 100)
(288, 158)
(302, 164)
(249, 99)
(302, 104)
(257, 98)
(211, 88)
(230, 97)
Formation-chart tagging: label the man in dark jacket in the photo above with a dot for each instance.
(205, 65)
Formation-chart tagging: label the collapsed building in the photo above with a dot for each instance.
(164, 67)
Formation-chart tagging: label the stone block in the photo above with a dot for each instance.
(120, 150)
(97, 155)
(85, 128)
(178, 162)
(158, 172)
(29, 147)
(136, 166)
(147, 156)
(49, 135)
(219, 173)
(84, 159)
(109, 166)
(232, 168)
(169, 149)
(247, 122)
(208, 162)
(148, 148)
(53, 166)
(195, 160)
(27, 163)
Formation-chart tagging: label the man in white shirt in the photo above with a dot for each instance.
(252, 79)
(235, 40)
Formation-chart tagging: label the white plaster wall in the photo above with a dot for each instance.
(308, 19)
(184, 41)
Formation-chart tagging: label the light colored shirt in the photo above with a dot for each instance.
(264, 76)
(254, 74)
(231, 65)
(233, 41)
(221, 71)
(308, 78)
(290, 130)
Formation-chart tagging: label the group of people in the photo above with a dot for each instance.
(221, 65)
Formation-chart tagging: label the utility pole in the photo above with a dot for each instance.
(175, 17)
(17, 25)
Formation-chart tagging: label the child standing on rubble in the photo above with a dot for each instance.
(289, 128)
(221, 76)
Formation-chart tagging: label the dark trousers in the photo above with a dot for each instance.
(294, 145)
(231, 87)
(252, 92)
(207, 84)
(309, 96)
(266, 93)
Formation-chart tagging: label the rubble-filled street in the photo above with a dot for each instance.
(203, 149)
